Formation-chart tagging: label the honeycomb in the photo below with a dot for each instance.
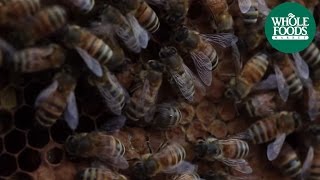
(32, 153)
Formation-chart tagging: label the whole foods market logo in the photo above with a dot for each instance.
(290, 27)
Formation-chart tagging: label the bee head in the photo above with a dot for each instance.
(155, 65)
(201, 148)
(167, 52)
(175, 17)
(140, 171)
(66, 82)
(75, 143)
(181, 34)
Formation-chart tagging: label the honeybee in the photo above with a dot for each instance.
(311, 55)
(131, 34)
(175, 11)
(138, 10)
(288, 162)
(202, 52)
(276, 127)
(99, 174)
(38, 58)
(97, 145)
(93, 50)
(180, 75)
(118, 58)
(56, 99)
(113, 93)
(187, 176)
(166, 115)
(170, 159)
(230, 152)
(15, 10)
(252, 73)
(257, 7)
(83, 5)
(47, 21)
(144, 97)
(260, 105)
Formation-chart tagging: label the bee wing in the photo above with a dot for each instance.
(46, 92)
(307, 162)
(71, 114)
(236, 57)
(196, 81)
(182, 84)
(301, 65)
(267, 84)
(240, 165)
(182, 167)
(113, 123)
(282, 85)
(92, 63)
(274, 148)
(223, 39)
(144, 92)
(140, 33)
(244, 5)
(5, 46)
(263, 7)
(110, 100)
(203, 66)
(313, 107)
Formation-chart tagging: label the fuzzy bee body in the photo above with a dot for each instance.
(252, 73)
(38, 58)
(12, 11)
(312, 57)
(57, 99)
(99, 174)
(97, 145)
(167, 115)
(270, 127)
(48, 21)
(187, 176)
(288, 162)
(147, 17)
(152, 164)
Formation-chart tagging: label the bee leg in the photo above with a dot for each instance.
(163, 145)
(148, 145)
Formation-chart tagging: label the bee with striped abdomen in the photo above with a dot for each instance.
(93, 50)
(37, 59)
(201, 51)
(46, 22)
(311, 55)
(134, 37)
(99, 174)
(230, 152)
(99, 146)
(113, 93)
(144, 97)
(166, 115)
(12, 11)
(140, 11)
(276, 127)
(288, 162)
(252, 73)
(260, 105)
(57, 99)
(169, 159)
(180, 75)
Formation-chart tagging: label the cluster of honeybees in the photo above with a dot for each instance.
(118, 33)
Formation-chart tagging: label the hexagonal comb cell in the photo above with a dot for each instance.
(86, 124)
(38, 138)
(55, 155)
(24, 117)
(21, 176)
(8, 165)
(60, 131)
(6, 121)
(15, 141)
(29, 160)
